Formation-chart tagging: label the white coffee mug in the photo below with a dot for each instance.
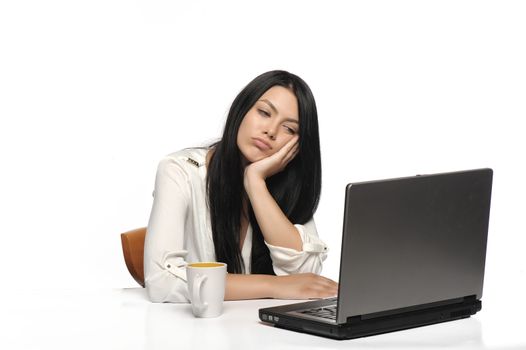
(206, 287)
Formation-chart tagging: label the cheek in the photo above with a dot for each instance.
(246, 125)
(284, 139)
(244, 129)
(281, 145)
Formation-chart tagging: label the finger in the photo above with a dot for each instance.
(328, 282)
(295, 150)
(288, 158)
(290, 145)
(324, 292)
(286, 153)
(291, 153)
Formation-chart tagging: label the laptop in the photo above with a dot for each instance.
(413, 254)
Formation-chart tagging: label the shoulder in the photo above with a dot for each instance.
(195, 157)
(185, 162)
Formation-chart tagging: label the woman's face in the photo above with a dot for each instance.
(269, 124)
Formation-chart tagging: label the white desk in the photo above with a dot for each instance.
(125, 319)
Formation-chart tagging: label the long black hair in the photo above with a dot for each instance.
(296, 189)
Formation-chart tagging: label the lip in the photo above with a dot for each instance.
(261, 144)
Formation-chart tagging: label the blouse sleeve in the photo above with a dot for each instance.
(164, 254)
(288, 261)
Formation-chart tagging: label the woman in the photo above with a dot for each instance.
(247, 200)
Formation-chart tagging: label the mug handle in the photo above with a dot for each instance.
(196, 293)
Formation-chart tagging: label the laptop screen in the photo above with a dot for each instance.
(413, 241)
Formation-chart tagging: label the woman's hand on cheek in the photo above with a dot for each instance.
(273, 164)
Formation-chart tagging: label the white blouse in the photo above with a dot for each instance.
(179, 231)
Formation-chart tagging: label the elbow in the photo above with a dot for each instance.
(304, 263)
(166, 293)
(164, 285)
(154, 293)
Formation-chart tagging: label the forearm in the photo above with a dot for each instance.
(239, 287)
(298, 286)
(275, 226)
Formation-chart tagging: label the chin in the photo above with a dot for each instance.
(252, 157)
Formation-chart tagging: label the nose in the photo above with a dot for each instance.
(270, 130)
(270, 135)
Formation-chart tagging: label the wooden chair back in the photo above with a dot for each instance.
(133, 250)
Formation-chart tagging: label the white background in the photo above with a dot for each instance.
(94, 93)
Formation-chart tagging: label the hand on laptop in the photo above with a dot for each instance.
(303, 286)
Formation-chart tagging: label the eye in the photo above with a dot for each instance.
(290, 130)
(264, 113)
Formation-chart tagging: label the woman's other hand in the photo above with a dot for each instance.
(266, 167)
(303, 286)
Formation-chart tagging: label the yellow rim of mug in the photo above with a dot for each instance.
(209, 265)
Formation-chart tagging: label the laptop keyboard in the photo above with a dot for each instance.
(328, 312)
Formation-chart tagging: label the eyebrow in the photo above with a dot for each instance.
(276, 111)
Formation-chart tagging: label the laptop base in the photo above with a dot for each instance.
(357, 327)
